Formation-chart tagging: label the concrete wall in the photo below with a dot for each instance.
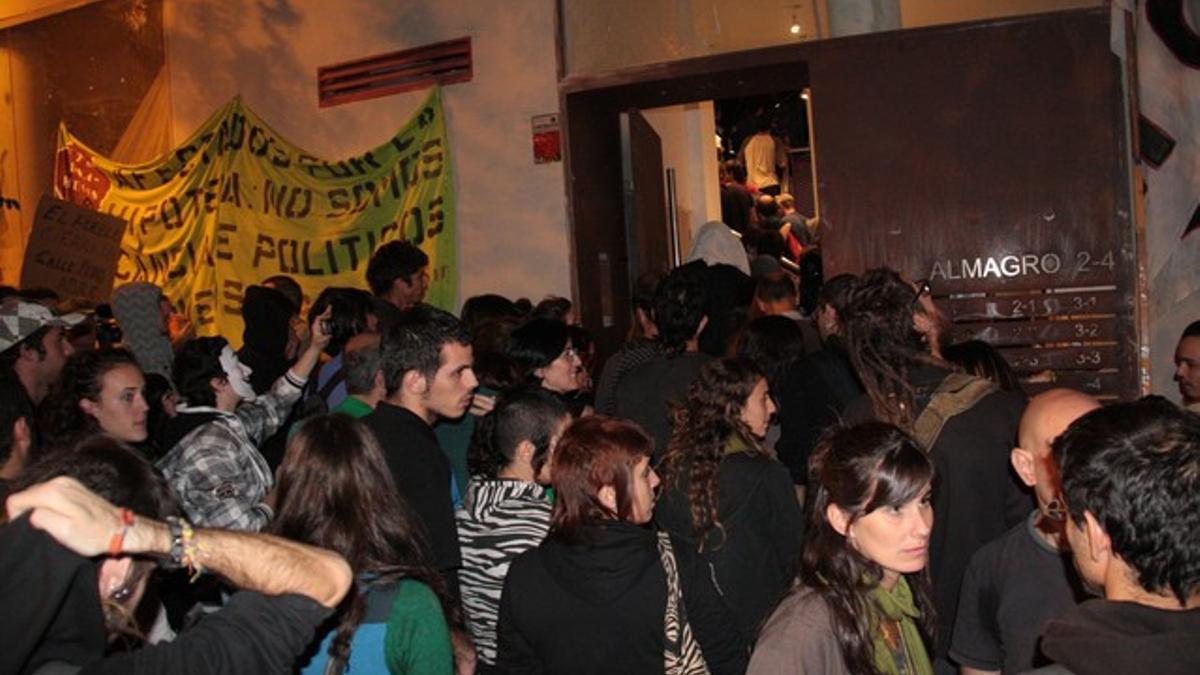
(687, 133)
(512, 224)
(614, 34)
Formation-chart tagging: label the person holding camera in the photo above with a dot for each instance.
(213, 463)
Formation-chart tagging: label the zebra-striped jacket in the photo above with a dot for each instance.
(499, 519)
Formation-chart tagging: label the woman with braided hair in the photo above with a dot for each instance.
(967, 426)
(726, 496)
(891, 328)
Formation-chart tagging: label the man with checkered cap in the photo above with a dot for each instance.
(33, 346)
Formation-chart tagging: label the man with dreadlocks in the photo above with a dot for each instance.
(969, 426)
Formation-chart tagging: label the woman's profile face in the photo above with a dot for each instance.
(758, 409)
(120, 409)
(644, 482)
(560, 375)
(896, 538)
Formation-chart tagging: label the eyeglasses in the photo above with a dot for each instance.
(922, 288)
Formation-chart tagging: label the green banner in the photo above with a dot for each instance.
(236, 203)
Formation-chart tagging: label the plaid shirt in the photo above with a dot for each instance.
(217, 470)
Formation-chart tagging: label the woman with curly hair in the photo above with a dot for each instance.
(860, 603)
(335, 491)
(100, 392)
(726, 496)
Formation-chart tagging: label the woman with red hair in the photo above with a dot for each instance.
(605, 593)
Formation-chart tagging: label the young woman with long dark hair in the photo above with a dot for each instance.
(604, 593)
(100, 391)
(506, 508)
(860, 604)
(335, 491)
(725, 496)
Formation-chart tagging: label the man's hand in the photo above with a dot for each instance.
(85, 523)
(312, 353)
(76, 517)
(320, 337)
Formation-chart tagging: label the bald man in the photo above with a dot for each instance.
(1017, 583)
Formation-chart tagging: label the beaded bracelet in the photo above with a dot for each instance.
(176, 527)
(184, 550)
(118, 538)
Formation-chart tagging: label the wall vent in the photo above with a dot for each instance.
(386, 74)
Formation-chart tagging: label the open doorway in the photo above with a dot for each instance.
(678, 173)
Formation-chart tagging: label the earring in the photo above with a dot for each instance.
(1055, 510)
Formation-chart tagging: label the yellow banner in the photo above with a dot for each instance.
(236, 203)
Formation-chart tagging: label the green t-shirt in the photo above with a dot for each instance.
(351, 406)
(417, 639)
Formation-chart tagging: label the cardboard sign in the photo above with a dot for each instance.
(73, 251)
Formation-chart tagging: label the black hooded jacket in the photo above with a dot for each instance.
(267, 315)
(598, 606)
(753, 557)
(1100, 637)
(52, 604)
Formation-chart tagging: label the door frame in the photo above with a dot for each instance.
(589, 106)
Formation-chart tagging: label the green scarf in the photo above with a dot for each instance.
(897, 641)
(737, 443)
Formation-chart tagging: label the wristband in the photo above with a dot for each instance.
(176, 527)
(118, 538)
(184, 550)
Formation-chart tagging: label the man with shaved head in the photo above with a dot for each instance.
(1022, 580)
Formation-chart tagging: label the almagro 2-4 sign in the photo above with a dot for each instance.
(1016, 265)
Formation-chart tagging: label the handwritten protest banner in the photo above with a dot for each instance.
(72, 250)
(236, 203)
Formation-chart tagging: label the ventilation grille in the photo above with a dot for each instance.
(418, 68)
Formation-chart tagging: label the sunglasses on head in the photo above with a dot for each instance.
(922, 288)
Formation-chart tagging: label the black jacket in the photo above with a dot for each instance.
(598, 607)
(645, 395)
(1104, 636)
(812, 397)
(53, 604)
(267, 317)
(54, 617)
(976, 495)
(763, 527)
(422, 473)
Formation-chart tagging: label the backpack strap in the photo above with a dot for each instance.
(338, 377)
(956, 394)
(379, 600)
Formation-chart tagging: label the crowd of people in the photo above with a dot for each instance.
(760, 480)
